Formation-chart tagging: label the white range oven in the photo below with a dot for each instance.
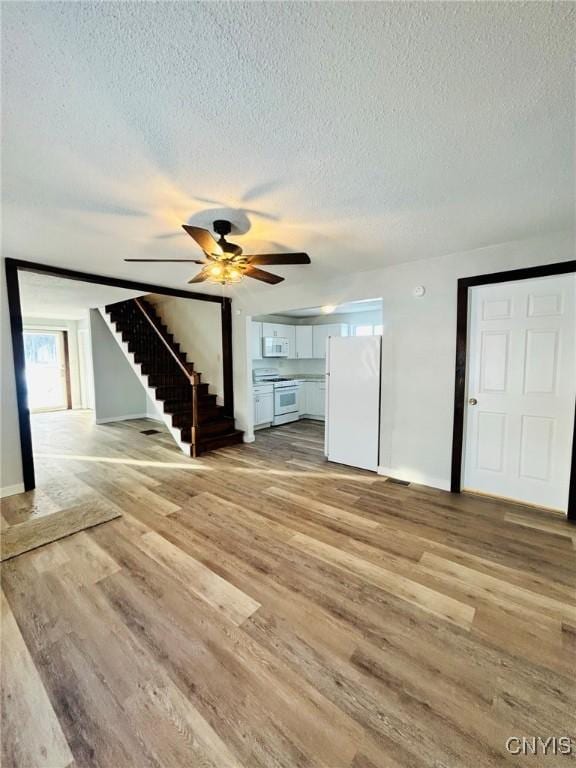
(285, 401)
(285, 394)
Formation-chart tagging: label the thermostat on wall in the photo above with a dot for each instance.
(419, 291)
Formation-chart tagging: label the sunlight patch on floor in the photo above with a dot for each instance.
(132, 462)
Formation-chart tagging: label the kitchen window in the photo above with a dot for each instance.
(367, 330)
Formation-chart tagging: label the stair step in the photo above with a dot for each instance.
(178, 391)
(218, 427)
(151, 346)
(161, 378)
(233, 437)
(158, 358)
(222, 425)
(157, 377)
(184, 405)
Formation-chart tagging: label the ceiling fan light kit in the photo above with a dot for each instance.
(226, 263)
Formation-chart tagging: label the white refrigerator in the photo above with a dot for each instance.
(353, 367)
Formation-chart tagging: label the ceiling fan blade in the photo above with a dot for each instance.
(204, 239)
(260, 274)
(200, 277)
(279, 258)
(170, 261)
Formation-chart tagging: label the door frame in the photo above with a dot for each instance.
(13, 266)
(464, 283)
(66, 362)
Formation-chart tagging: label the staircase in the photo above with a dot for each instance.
(191, 413)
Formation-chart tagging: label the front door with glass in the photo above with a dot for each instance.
(46, 370)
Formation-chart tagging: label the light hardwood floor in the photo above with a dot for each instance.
(260, 607)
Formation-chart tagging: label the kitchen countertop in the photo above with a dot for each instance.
(295, 377)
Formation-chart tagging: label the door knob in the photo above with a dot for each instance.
(472, 401)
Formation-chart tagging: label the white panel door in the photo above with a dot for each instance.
(353, 401)
(522, 375)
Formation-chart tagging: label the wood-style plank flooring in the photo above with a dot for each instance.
(60, 504)
(261, 607)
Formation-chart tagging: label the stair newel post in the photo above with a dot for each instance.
(194, 381)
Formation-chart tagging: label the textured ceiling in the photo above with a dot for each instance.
(364, 133)
(56, 297)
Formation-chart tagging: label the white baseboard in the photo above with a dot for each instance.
(411, 476)
(124, 418)
(11, 490)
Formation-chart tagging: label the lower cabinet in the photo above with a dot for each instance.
(311, 399)
(311, 402)
(263, 407)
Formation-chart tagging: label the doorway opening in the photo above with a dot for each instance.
(289, 371)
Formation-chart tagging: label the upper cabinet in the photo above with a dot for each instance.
(290, 334)
(320, 334)
(304, 341)
(274, 330)
(256, 340)
(304, 348)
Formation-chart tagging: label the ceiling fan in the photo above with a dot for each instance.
(226, 263)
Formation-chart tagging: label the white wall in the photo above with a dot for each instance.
(10, 459)
(197, 327)
(418, 344)
(85, 363)
(118, 393)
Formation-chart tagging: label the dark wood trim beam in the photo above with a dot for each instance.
(15, 310)
(117, 282)
(227, 366)
(572, 489)
(527, 273)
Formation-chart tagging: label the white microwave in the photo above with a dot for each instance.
(273, 346)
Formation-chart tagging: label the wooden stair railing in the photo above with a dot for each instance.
(192, 376)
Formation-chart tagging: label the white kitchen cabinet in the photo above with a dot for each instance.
(256, 340)
(304, 347)
(263, 405)
(311, 399)
(303, 390)
(269, 330)
(316, 399)
(321, 332)
(290, 334)
(275, 330)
